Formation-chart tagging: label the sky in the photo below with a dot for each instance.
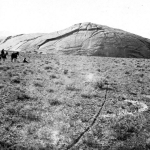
(46, 16)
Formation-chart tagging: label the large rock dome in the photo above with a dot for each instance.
(82, 39)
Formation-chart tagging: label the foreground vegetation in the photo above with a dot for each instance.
(74, 102)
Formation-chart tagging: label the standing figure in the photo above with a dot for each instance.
(2, 52)
(3, 55)
(14, 56)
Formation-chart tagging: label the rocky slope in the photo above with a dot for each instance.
(82, 39)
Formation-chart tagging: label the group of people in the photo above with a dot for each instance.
(14, 56)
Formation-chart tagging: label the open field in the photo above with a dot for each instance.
(58, 102)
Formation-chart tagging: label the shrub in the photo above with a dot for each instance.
(65, 71)
(55, 102)
(27, 71)
(1, 86)
(4, 68)
(38, 84)
(30, 115)
(10, 74)
(101, 84)
(98, 70)
(89, 94)
(46, 62)
(50, 90)
(23, 96)
(13, 111)
(53, 76)
(48, 67)
(71, 87)
(127, 126)
(86, 95)
(15, 79)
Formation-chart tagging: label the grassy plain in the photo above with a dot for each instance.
(58, 102)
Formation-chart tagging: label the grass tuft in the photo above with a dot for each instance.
(1, 86)
(127, 126)
(4, 68)
(50, 90)
(53, 76)
(15, 79)
(55, 102)
(72, 87)
(48, 67)
(100, 84)
(30, 115)
(38, 84)
(23, 96)
(65, 71)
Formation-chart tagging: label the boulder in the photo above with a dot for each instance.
(82, 39)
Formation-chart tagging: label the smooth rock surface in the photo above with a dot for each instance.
(82, 39)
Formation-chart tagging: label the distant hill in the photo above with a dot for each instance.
(82, 39)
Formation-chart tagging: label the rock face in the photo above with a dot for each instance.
(82, 39)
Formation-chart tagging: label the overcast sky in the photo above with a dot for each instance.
(45, 16)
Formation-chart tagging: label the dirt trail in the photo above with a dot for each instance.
(90, 126)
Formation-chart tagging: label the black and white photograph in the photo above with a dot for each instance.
(74, 74)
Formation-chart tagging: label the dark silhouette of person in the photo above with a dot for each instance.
(25, 61)
(3, 55)
(2, 52)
